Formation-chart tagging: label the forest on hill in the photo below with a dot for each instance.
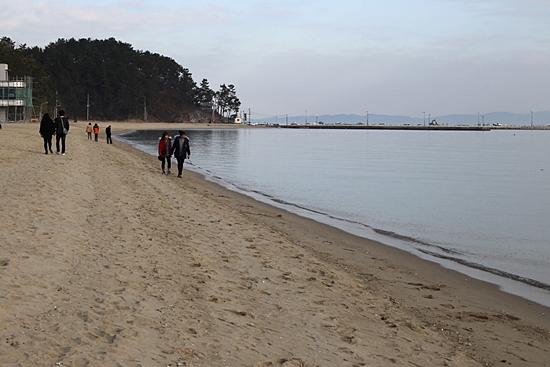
(109, 80)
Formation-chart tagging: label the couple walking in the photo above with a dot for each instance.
(58, 127)
(180, 150)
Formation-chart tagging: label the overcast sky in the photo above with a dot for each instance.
(398, 57)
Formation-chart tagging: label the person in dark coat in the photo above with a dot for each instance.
(108, 133)
(61, 131)
(47, 129)
(165, 151)
(181, 150)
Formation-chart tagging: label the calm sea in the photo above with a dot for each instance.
(477, 202)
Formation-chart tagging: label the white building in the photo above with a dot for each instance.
(15, 97)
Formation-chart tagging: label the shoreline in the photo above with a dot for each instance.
(224, 278)
(529, 288)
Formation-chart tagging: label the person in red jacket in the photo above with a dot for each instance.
(96, 131)
(165, 151)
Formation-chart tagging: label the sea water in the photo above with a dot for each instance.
(477, 202)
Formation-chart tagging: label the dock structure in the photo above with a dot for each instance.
(389, 127)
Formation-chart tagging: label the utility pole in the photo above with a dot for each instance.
(531, 119)
(424, 118)
(249, 117)
(145, 109)
(286, 122)
(367, 118)
(306, 117)
(88, 108)
(41, 109)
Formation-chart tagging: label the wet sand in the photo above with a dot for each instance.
(106, 262)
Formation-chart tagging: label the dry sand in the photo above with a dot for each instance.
(105, 262)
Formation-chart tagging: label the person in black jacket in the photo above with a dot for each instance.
(108, 133)
(61, 131)
(47, 129)
(181, 150)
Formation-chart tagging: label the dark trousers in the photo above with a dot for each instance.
(181, 160)
(89, 136)
(164, 160)
(109, 140)
(62, 138)
(96, 136)
(47, 142)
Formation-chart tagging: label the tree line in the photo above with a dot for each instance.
(114, 80)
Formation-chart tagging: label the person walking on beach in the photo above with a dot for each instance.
(108, 133)
(47, 129)
(165, 150)
(181, 150)
(61, 131)
(96, 131)
(89, 130)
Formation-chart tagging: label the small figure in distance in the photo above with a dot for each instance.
(61, 131)
(47, 129)
(89, 130)
(165, 150)
(108, 133)
(96, 131)
(181, 150)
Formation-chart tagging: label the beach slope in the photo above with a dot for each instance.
(106, 262)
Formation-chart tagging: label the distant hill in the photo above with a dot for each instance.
(110, 80)
(504, 118)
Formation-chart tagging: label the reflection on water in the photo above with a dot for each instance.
(219, 144)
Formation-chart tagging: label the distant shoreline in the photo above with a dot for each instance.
(412, 127)
(122, 126)
(389, 127)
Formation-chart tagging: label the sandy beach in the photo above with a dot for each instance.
(106, 262)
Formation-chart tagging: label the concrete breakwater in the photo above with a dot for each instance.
(389, 127)
(411, 127)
